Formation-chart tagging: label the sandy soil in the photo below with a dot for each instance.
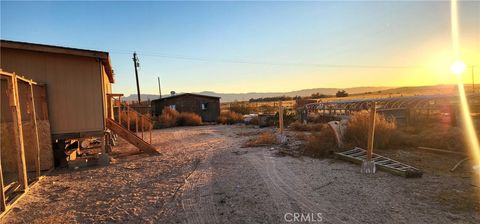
(205, 176)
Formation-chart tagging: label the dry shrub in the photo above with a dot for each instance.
(357, 130)
(266, 138)
(434, 136)
(229, 117)
(133, 121)
(298, 126)
(189, 119)
(172, 118)
(320, 144)
(168, 118)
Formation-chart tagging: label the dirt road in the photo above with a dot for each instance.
(204, 176)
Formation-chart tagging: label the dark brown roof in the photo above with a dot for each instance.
(103, 56)
(186, 94)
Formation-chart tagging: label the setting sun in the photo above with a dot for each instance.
(458, 67)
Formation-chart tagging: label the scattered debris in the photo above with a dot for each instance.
(441, 151)
(458, 164)
(338, 128)
(240, 152)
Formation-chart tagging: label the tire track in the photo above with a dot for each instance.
(197, 194)
(293, 189)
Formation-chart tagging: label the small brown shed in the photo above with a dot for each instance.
(208, 107)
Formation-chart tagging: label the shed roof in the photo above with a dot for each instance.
(185, 94)
(102, 55)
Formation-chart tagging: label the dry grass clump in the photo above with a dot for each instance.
(266, 138)
(357, 130)
(168, 118)
(229, 117)
(189, 119)
(173, 118)
(298, 126)
(320, 144)
(438, 136)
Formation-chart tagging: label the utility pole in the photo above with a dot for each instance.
(136, 64)
(159, 89)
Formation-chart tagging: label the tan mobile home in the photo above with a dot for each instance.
(77, 84)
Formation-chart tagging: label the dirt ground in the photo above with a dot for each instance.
(205, 176)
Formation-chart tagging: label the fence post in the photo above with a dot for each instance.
(33, 117)
(18, 133)
(143, 123)
(128, 116)
(280, 117)
(136, 123)
(119, 111)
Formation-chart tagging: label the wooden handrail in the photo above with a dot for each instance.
(143, 118)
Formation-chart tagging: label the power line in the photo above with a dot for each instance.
(237, 61)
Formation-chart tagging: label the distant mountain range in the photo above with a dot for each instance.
(230, 97)
(410, 90)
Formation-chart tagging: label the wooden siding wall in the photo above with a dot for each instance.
(107, 88)
(74, 87)
(190, 103)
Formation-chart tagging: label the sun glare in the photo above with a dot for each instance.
(458, 67)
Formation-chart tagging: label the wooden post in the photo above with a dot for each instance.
(371, 131)
(151, 126)
(3, 204)
(103, 147)
(143, 122)
(33, 118)
(18, 133)
(128, 117)
(119, 110)
(280, 117)
(136, 123)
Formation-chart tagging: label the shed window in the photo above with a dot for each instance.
(173, 106)
(204, 106)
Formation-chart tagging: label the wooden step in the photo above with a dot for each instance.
(131, 137)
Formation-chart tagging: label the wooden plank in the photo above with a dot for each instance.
(18, 133)
(33, 119)
(136, 123)
(3, 205)
(442, 151)
(131, 137)
(114, 94)
(128, 117)
(119, 110)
